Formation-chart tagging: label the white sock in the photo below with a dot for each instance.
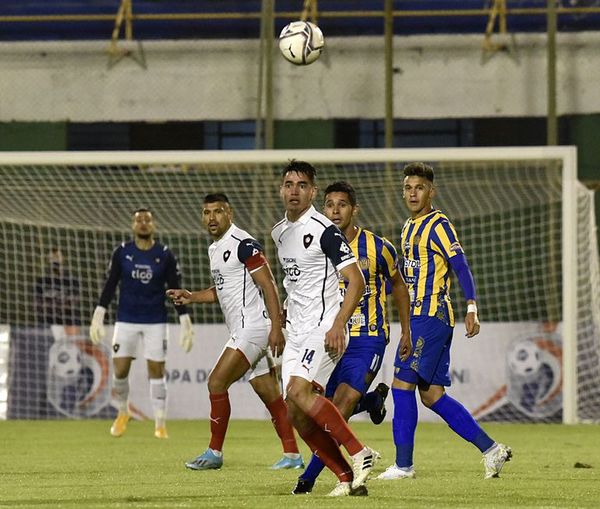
(292, 455)
(158, 397)
(120, 393)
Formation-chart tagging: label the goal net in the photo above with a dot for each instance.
(526, 225)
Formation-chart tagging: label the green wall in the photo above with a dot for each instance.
(33, 136)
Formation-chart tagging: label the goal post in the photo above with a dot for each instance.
(520, 213)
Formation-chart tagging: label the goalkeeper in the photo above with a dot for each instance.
(143, 268)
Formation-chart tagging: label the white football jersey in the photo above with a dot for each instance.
(311, 250)
(232, 259)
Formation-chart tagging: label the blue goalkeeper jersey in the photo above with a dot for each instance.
(143, 277)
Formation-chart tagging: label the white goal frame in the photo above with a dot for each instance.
(568, 155)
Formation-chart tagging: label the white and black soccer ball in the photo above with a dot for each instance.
(524, 358)
(66, 360)
(301, 42)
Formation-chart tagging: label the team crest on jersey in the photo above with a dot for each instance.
(363, 263)
(416, 239)
(307, 239)
(226, 255)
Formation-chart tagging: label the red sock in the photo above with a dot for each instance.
(278, 411)
(328, 417)
(323, 445)
(220, 410)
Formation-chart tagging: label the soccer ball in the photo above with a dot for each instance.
(67, 360)
(301, 42)
(524, 358)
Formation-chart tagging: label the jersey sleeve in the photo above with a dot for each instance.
(388, 260)
(251, 254)
(336, 248)
(173, 277)
(113, 278)
(445, 241)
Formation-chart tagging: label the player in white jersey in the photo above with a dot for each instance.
(247, 293)
(314, 253)
(142, 268)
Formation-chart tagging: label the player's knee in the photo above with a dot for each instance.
(216, 385)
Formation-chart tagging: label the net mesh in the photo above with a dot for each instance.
(507, 214)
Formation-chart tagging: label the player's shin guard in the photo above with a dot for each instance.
(278, 411)
(404, 425)
(328, 418)
(461, 422)
(158, 397)
(220, 410)
(329, 452)
(120, 393)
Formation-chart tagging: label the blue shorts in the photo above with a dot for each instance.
(364, 355)
(430, 359)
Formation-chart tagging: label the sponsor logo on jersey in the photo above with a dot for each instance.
(129, 257)
(142, 273)
(412, 264)
(218, 279)
(344, 248)
(358, 319)
(307, 240)
(292, 272)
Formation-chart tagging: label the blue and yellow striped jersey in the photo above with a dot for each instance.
(428, 242)
(378, 260)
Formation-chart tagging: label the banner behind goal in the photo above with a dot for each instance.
(525, 223)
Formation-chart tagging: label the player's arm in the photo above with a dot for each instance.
(107, 295)
(264, 278)
(251, 254)
(336, 248)
(460, 266)
(446, 240)
(173, 279)
(389, 267)
(182, 297)
(402, 303)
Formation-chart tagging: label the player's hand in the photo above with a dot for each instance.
(335, 339)
(97, 325)
(405, 346)
(276, 341)
(186, 332)
(180, 297)
(472, 324)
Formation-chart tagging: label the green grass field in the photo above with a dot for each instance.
(78, 464)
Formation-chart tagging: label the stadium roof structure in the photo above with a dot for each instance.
(235, 19)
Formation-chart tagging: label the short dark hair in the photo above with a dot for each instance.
(419, 170)
(342, 186)
(300, 167)
(141, 209)
(214, 197)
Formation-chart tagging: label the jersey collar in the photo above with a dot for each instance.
(226, 235)
(303, 219)
(422, 218)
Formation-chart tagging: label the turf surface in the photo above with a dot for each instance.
(78, 464)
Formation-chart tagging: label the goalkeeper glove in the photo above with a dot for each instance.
(97, 325)
(186, 332)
